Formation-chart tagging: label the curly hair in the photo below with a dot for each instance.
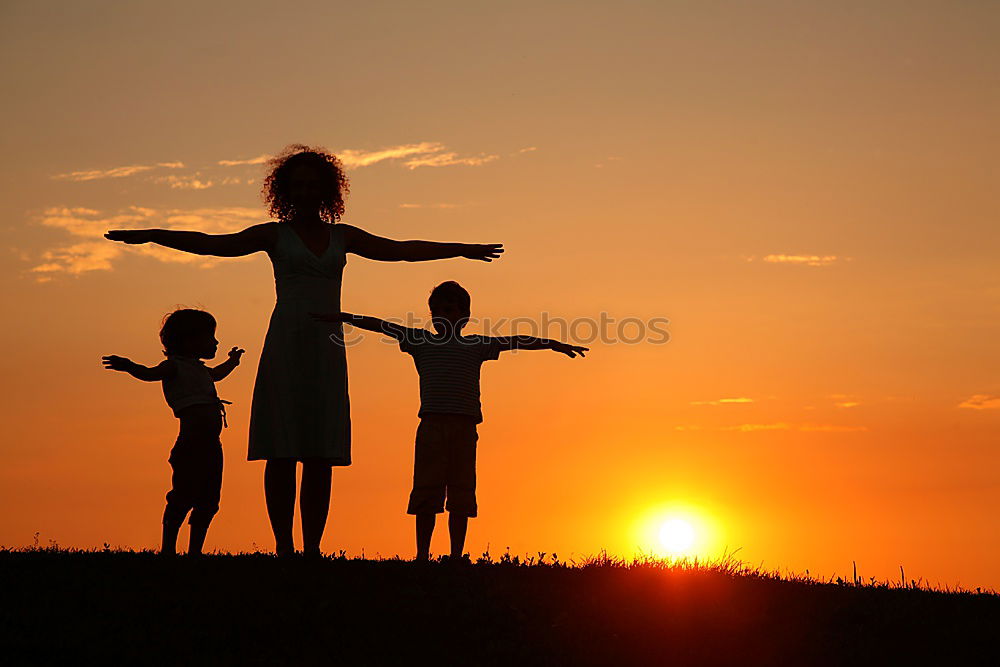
(327, 165)
(181, 325)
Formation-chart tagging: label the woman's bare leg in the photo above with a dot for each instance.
(314, 503)
(279, 495)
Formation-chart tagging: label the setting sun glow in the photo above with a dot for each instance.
(677, 536)
(678, 530)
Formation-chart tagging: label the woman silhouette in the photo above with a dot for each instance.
(301, 410)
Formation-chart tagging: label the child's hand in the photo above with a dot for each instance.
(486, 252)
(569, 350)
(330, 317)
(115, 363)
(130, 236)
(235, 354)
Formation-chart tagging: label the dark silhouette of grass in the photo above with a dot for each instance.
(124, 607)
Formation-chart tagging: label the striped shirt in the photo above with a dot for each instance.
(449, 370)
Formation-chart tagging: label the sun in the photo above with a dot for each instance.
(678, 530)
(677, 536)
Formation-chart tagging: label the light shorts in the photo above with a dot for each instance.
(444, 465)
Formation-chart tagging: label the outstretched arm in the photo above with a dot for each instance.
(365, 322)
(533, 343)
(226, 367)
(162, 371)
(252, 239)
(370, 246)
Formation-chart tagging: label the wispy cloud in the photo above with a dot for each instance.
(77, 258)
(94, 253)
(747, 428)
(844, 400)
(723, 401)
(803, 260)
(220, 220)
(421, 154)
(365, 158)
(774, 426)
(981, 402)
(448, 160)
(116, 172)
(785, 426)
(260, 159)
(413, 156)
(86, 222)
(187, 182)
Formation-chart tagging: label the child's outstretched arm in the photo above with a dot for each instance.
(365, 322)
(370, 246)
(162, 371)
(533, 343)
(226, 367)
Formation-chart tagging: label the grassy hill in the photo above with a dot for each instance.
(120, 607)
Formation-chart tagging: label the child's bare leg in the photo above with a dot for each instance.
(458, 525)
(172, 521)
(425, 528)
(200, 521)
(197, 541)
(314, 503)
(207, 504)
(279, 496)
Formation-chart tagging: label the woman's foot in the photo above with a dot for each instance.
(456, 561)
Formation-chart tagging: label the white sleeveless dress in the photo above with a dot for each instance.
(300, 405)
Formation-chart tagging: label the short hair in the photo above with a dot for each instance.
(180, 326)
(327, 165)
(449, 291)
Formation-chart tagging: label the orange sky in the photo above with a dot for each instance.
(807, 191)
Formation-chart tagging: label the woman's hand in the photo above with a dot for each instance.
(485, 252)
(130, 236)
(569, 350)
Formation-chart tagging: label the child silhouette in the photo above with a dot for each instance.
(448, 363)
(188, 336)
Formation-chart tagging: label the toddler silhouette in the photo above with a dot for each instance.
(188, 336)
